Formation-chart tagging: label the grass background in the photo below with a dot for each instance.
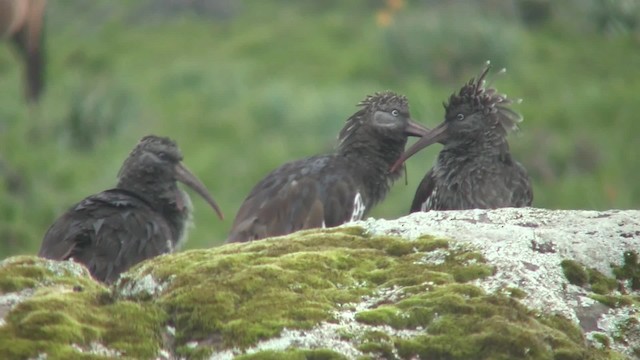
(244, 86)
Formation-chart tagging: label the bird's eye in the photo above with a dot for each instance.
(163, 156)
(460, 117)
(395, 112)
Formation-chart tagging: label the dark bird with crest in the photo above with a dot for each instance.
(144, 216)
(475, 169)
(332, 189)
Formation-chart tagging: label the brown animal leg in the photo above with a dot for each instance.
(29, 40)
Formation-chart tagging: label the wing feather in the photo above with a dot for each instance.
(108, 232)
(423, 192)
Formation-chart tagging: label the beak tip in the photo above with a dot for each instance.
(186, 177)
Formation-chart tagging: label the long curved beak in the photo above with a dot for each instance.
(186, 177)
(431, 137)
(415, 129)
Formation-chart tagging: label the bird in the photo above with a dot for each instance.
(331, 189)
(474, 169)
(22, 21)
(144, 216)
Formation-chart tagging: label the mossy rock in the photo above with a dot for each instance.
(601, 285)
(377, 296)
(575, 272)
(630, 270)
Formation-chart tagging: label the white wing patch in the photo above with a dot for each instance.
(430, 202)
(358, 208)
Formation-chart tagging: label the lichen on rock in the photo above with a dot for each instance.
(69, 315)
(375, 289)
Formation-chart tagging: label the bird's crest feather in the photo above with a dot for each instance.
(479, 95)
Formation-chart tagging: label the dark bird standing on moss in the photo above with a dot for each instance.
(475, 169)
(332, 189)
(144, 216)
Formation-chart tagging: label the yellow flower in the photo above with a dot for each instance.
(383, 18)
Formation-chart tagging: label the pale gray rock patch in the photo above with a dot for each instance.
(144, 287)
(9, 300)
(97, 349)
(527, 245)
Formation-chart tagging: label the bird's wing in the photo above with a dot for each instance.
(424, 191)
(292, 198)
(523, 190)
(508, 186)
(108, 232)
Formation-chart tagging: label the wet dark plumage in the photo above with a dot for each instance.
(475, 168)
(144, 216)
(329, 190)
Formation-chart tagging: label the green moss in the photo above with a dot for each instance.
(238, 294)
(419, 310)
(630, 270)
(378, 350)
(316, 354)
(377, 343)
(244, 293)
(602, 340)
(613, 301)
(574, 272)
(563, 325)
(22, 272)
(511, 333)
(601, 284)
(423, 244)
(370, 336)
(74, 310)
(191, 352)
(345, 334)
(628, 331)
(462, 322)
(472, 272)
(381, 316)
(515, 293)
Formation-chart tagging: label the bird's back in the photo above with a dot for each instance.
(472, 185)
(109, 232)
(309, 193)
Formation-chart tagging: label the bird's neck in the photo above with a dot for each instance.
(164, 196)
(370, 158)
(452, 160)
(489, 146)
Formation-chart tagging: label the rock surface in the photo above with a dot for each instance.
(508, 283)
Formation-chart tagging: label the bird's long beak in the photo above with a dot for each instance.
(415, 129)
(186, 177)
(429, 138)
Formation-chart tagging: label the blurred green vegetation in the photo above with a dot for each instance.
(246, 86)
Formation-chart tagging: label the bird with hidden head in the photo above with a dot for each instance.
(144, 216)
(332, 189)
(475, 169)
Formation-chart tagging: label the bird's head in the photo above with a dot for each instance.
(475, 113)
(158, 160)
(385, 114)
